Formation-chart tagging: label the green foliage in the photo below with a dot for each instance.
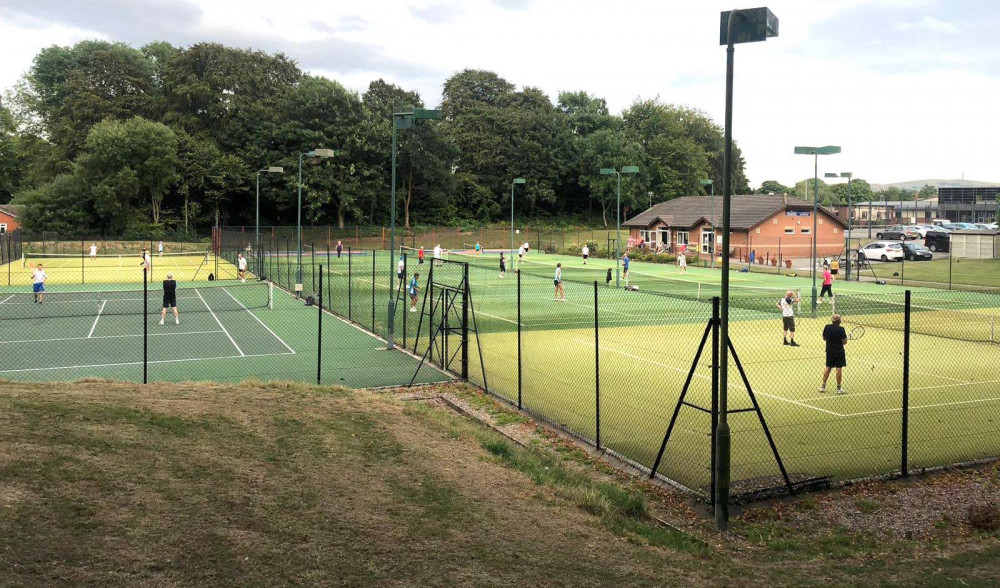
(773, 187)
(161, 138)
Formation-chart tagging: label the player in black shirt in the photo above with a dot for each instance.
(170, 299)
(835, 337)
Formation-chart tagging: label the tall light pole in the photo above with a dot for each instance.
(711, 220)
(318, 153)
(513, 183)
(607, 171)
(847, 238)
(400, 120)
(815, 152)
(256, 228)
(737, 26)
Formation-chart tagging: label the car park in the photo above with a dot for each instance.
(920, 230)
(916, 252)
(881, 251)
(963, 227)
(938, 241)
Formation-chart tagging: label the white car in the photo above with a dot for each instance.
(881, 251)
(920, 229)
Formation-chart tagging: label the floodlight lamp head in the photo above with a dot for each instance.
(706, 182)
(323, 153)
(518, 180)
(630, 169)
(275, 170)
(607, 171)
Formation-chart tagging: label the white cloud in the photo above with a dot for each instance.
(929, 23)
(900, 111)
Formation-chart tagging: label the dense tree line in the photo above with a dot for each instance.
(105, 138)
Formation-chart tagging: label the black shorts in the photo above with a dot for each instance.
(170, 302)
(834, 271)
(836, 360)
(399, 275)
(788, 322)
(827, 289)
(556, 282)
(586, 256)
(503, 266)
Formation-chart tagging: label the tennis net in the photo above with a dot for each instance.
(412, 253)
(192, 258)
(232, 297)
(960, 316)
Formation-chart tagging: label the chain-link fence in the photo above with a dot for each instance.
(636, 371)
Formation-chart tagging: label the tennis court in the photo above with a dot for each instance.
(646, 343)
(228, 331)
(122, 269)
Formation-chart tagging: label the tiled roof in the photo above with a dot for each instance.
(745, 212)
(12, 209)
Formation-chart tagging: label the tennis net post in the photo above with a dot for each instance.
(319, 331)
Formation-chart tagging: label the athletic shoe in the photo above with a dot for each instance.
(161, 321)
(785, 342)
(413, 310)
(822, 388)
(177, 321)
(840, 390)
(793, 344)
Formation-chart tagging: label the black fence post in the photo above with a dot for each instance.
(350, 284)
(145, 325)
(329, 281)
(597, 373)
(319, 330)
(904, 467)
(465, 322)
(519, 404)
(403, 287)
(312, 262)
(715, 385)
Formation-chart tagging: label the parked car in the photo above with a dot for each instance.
(920, 230)
(941, 223)
(916, 252)
(938, 241)
(941, 228)
(881, 250)
(985, 226)
(897, 232)
(963, 227)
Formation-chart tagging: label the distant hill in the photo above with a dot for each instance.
(916, 185)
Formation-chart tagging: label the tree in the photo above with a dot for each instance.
(928, 191)
(674, 161)
(773, 187)
(130, 165)
(63, 205)
(609, 148)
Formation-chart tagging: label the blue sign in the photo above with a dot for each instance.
(797, 213)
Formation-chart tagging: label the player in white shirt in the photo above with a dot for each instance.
(241, 265)
(147, 261)
(586, 254)
(400, 269)
(159, 248)
(786, 305)
(559, 284)
(682, 262)
(520, 257)
(93, 251)
(38, 277)
(437, 255)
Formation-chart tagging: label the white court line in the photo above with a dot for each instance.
(7, 298)
(900, 409)
(233, 341)
(97, 318)
(684, 371)
(259, 321)
(96, 365)
(499, 318)
(913, 371)
(109, 337)
(900, 391)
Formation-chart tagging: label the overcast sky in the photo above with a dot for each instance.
(908, 88)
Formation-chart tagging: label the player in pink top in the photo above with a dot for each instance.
(827, 284)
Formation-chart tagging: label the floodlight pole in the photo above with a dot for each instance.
(618, 231)
(298, 229)
(515, 181)
(815, 237)
(711, 219)
(256, 230)
(399, 120)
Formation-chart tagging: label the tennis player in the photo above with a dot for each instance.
(520, 255)
(147, 261)
(437, 254)
(400, 269)
(340, 249)
(682, 261)
(836, 358)
(503, 266)
(38, 277)
(786, 305)
(93, 251)
(420, 256)
(586, 254)
(170, 299)
(241, 266)
(835, 266)
(479, 249)
(414, 289)
(159, 248)
(625, 262)
(559, 283)
(827, 284)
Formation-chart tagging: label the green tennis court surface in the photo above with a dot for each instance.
(227, 332)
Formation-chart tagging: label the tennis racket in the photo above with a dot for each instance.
(856, 333)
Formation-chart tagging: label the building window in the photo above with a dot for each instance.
(805, 230)
(706, 242)
(835, 230)
(644, 235)
(3, 228)
(774, 221)
(789, 230)
(757, 231)
(683, 238)
(665, 237)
